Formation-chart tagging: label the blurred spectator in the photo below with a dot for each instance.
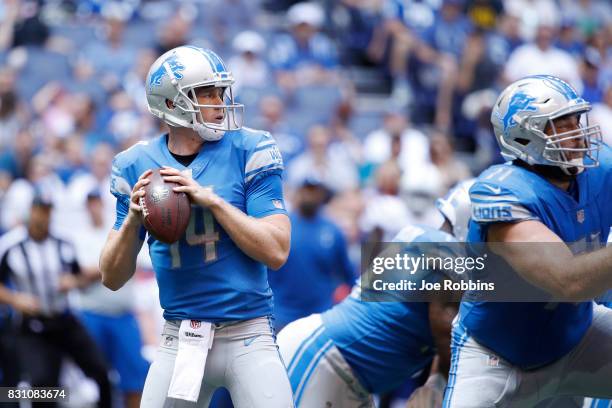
(602, 114)
(445, 39)
(601, 41)
(509, 29)
(590, 74)
(476, 108)
(344, 143)
(542, 57)
(355, 23)
(590, 15)
(54, 107)
(38, 67)
(482, 61)
(227, 18)
(444, 170)
(97, 176)
(450, 28)
(42, 269)
(568, 39)
(318, 261)
(385, 213)
(272, 119)
(134, 79)
(248, 66)
(126, 125)
(108, 315)
(10, 13)
(111, 56)
(345, 210)
(337, 173)
(73, 153)
(84, 116)
(398, 141)
(174, 33)
(414, 57)
(417, 15)
(14, 159)
(305, 55)
(21, 25)
(39, 175)
(484, 14)
(86, 80)
(533, 14)
(12, 112)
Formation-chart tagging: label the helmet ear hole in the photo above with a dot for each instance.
(170, 104)
(522, 141)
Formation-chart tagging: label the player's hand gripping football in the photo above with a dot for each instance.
(200, 195)
(135, 212)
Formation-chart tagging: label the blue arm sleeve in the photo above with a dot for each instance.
(264, 196)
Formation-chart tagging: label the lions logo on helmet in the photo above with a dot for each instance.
(519, 102)
(171, 64)
(176, 75)
(523, 111)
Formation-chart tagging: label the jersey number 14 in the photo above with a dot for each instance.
(208, 239)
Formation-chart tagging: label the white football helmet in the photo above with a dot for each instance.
(175, 76)
(456, 207)
(526, 107)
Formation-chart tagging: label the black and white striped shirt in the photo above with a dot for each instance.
(35, 267)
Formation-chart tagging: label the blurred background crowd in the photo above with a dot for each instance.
(378, 107)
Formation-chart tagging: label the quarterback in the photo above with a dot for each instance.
(212, 282)
(556, 188)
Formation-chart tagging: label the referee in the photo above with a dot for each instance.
(40, 270)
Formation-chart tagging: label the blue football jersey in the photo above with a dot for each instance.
(385, 342)
(205, 276)
(530, 335)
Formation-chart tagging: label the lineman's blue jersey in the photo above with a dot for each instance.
(530, 335)
(205, 276)
(385, 342)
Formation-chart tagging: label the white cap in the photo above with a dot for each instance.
(307, 13)
(249, 41)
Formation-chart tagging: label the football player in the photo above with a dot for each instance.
(212, 282)
(557, 189)
(357, 348)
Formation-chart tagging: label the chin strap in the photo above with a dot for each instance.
(209, 135)
(576, 166)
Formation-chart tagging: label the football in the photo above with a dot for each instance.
(166, 213)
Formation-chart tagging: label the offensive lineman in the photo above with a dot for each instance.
(555, 190)
(358, 348)
(213, 282)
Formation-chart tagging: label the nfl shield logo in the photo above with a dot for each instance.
(580, 216)
(196, 324)
(278, 204)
